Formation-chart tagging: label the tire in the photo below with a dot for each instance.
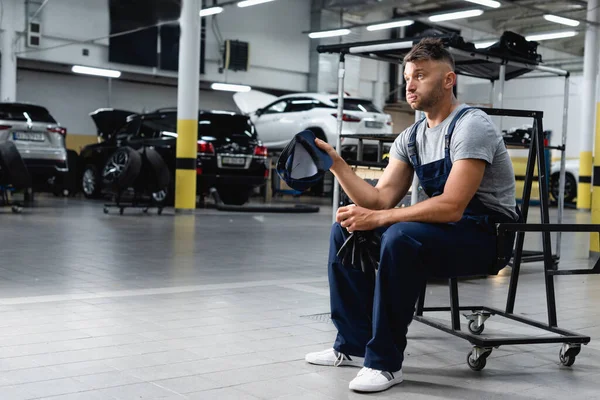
(570, 187)
(160, 176)
(122, 168)
(14, 169)
(90, 182)
(234, 197)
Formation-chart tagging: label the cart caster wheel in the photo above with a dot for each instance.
(475, 329)
(121, 210)
(16, 209)
(568, 354)
(479, 364)
(105, 210)
(159, 211)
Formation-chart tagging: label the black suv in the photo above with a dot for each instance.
(230, 156)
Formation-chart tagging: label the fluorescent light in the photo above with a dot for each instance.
(548, 36)
(248, 3)
(482, 45)
(109, 73)
(487, 3)
(455, 15)
(381, 47)
(561, 20)
(324, 34)
(388, 25)
(230, 88)
(211, 11)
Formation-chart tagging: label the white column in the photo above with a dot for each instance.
(590, 70)
(188, 86)
(8, 75)
(588, 107)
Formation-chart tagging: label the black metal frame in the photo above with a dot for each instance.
(138, 201)
(5, 201)
(536, 152)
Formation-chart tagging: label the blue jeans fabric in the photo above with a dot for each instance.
(372, 320)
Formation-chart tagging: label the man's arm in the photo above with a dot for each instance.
(390, 189)
(462, 184)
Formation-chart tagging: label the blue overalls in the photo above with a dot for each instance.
(372, 322)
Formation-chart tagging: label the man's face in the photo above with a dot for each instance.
(426, 83)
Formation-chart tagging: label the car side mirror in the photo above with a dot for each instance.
(259, 112)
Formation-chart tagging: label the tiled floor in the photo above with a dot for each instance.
(218, 305)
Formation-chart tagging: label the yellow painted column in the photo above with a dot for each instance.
(594, 245)
(188, 86)
(185, 173)
(584, 186)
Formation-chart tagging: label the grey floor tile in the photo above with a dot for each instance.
(187, 384)
(222, 394)
(54, 387)
(137, 391)
(142, 307)
(107, 379)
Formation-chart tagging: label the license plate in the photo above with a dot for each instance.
(30, 137)
(233, 161)
(374, 124)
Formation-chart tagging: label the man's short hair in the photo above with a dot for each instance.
(430, 49)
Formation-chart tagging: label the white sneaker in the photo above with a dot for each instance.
(374, 380)
(332, 358)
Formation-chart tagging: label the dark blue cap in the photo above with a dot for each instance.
(302, 164)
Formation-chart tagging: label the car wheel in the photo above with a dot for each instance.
(234, 197)
(122, 168)
(570, 187)
(160, 175)
(90, 184)
(14, 170)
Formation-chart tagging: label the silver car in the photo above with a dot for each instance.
(40, 140)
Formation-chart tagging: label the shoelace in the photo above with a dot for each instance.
(339, 359)
(367, 370)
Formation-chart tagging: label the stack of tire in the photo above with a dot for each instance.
(13, 171)
(143, 170)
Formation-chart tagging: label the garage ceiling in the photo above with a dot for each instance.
(521, 16)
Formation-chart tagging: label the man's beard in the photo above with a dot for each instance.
(429, 101)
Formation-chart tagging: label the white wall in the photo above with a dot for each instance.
(71, 98)
(278, 48)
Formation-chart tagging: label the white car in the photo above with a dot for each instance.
(278, 119)
(571, 179)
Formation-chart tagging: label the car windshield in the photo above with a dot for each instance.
(214, 125)
(358, 105)
(24, 112)
(225, 125)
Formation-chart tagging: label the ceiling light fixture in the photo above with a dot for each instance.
(248, 3)
(455, 15)
(108, 73)
(487, 3)
(548, 36)
(205, 12)
(325, 34)
(561, 20)
(389, 25)
(230, 88)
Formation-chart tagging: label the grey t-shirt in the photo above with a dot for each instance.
(474, 136)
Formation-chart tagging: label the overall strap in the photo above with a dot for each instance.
(451, 129)
(412, 144)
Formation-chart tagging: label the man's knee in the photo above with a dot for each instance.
(401, 235)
